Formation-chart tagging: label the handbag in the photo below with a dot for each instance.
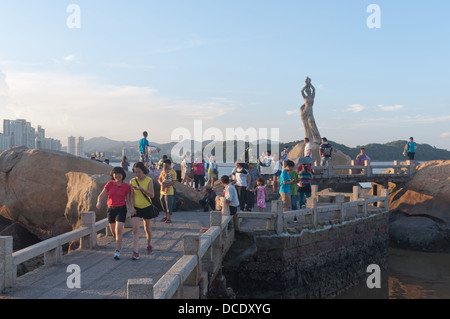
(154, 211)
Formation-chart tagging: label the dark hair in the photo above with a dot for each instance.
(118, 170)
(261, 180)
(290, 163)
(225, 179)
(306, 139)
(141, 166)
(167, 161)
(325, 139)
(164, 157)
(145, 134)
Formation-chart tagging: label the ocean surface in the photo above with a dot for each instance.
(410, 274)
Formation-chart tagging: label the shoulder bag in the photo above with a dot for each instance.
(153, 208)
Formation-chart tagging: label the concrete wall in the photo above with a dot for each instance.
(319, 263)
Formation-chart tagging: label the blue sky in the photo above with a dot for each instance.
(159, 65)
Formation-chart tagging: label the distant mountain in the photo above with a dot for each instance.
(378, 152)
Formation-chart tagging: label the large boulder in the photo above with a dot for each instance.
(427, 193)
(33, 184)
(421, 209)
(338, 157)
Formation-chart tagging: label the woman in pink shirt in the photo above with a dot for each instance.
(118, 201)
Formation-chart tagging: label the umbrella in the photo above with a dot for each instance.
(304, 160)
(154, 149)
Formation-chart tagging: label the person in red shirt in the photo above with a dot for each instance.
(119, 202)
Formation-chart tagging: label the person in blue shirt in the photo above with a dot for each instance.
(285, 185)
(144, 150)
(410, 149)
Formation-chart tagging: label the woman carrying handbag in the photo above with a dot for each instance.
(142, 191)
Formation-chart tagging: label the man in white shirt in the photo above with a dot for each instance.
(308, 148)
(231, 195)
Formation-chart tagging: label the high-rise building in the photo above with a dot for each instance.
(79, 146)
(71, 146)
(21, 133)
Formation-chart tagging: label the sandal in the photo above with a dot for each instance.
(168, 221)
(164, 219)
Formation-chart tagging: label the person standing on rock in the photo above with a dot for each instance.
(410, 149)
(144, 155)
(142, 192)
(118, 201)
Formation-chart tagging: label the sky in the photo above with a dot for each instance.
(116, 68)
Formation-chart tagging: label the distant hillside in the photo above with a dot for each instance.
(378, 152)
(393, 151)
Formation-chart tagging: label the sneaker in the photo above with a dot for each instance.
(149, 249)
(117, 255)
(135, 256)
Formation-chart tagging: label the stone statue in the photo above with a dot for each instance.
(306, 111)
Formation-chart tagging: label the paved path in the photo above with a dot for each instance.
(102, 277)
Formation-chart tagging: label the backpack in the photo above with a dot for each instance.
(326, 149)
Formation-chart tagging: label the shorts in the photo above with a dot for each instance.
(199, 179)
(278, 173)
(143, 158)
(286, 198)
(117, 214)
(305, 189)
(233, 210)
(145, 212)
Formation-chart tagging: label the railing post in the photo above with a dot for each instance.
(314, 192)
(315, 213)
(7, 268)
(279, 224)
(356, 193)
(411, 168)
(225, 207)
(352, 163)
(88, 220)
(330, 169)
(340, 199)
(140, 288)
(53, 256)
(192, 247)
(385, 193)
(396, 169)
(368, 168)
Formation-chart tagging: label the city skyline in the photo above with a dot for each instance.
(19, 132)
(114, 69)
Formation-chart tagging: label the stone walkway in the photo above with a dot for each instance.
(102, 277)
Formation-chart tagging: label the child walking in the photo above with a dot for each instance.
(118, 200)
(261, 194)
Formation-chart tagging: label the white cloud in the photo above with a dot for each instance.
(390, 108)
(355, 108)
(68, 105)
(293, 112)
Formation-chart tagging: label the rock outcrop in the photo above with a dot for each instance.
(33, 184)
(338, 157)
(421, 209)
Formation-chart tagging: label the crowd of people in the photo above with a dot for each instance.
(245, 188)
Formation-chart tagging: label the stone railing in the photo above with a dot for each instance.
(192, 274)
(50, 248)
(330, 171)
(365, 206)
